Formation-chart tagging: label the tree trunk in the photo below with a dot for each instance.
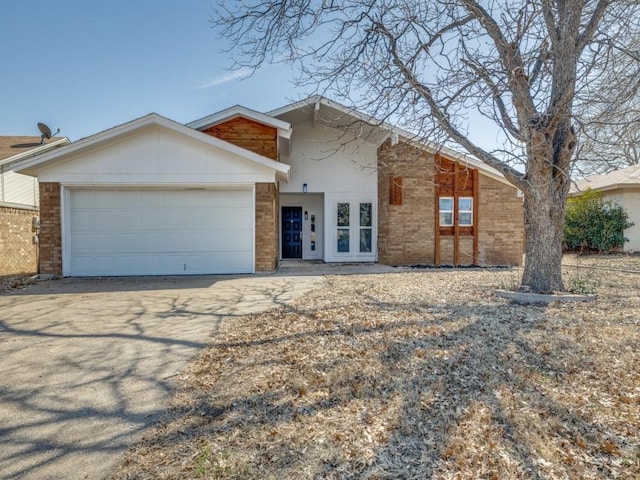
(544, 203)
(543, 221)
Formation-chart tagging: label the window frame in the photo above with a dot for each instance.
(470, 212)
(362, 227)
(455, 212)
(443, 210)
(343, 228)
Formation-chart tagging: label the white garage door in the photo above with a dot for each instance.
(159, 232)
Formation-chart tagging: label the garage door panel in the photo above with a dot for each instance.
(124, 199)
(85, 198)
(137, 243)
(84, 243)
(82, 220)
(235, 199)
(151, 219)
(103, 199)
(235, 218)
(216, 263)
(160, 232)
(231, 241)
(124, 219)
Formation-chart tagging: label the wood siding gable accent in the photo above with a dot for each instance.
(455, 181)
(249, 134)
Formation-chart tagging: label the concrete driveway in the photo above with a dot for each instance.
(87, 365)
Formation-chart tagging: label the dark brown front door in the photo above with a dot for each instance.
(291, 232)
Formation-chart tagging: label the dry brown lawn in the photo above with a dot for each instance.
(424, 374)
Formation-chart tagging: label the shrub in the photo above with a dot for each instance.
(595, 224)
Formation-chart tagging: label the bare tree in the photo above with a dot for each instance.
(609, 142)
(610, 132)
(425, 64)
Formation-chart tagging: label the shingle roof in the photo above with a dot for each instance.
(13, 145)
(625, 177)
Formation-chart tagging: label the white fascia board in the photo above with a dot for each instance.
(34, 151)
(284, 128)
(415, 140)
(28, 166)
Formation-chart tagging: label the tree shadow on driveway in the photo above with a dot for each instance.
(88, 366)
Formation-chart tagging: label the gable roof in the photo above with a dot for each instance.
(284, 128)
(30, 166)
(396, 133)
(14, 148)
(623, 178)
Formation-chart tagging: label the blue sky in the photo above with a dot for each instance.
(84, 66)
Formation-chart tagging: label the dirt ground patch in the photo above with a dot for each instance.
(423, 374)
(9, 283)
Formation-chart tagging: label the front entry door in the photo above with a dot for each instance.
(291, 232)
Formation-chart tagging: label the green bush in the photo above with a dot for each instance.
(594, 224)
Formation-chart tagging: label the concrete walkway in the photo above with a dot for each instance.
(87, 365)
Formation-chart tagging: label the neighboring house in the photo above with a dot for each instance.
(239, 190)
(623, 187)
(19, 205)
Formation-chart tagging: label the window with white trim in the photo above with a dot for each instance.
(446, 211)
(343, 223)
(366, 227)
(465, 211)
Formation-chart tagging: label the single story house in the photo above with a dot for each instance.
(622, 187)
(240, 190)
(19, 204)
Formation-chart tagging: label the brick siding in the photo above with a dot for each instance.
(18, 252)
(406, 233)
(266, 227)
(50, 229)
(501, 220)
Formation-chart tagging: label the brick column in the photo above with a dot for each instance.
(266, 227)
(50, 229)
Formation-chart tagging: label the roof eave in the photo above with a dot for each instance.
(603, 188)
(34, 151)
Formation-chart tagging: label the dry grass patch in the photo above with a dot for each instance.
(411, 375)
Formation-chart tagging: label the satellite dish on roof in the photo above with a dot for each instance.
(46, 132)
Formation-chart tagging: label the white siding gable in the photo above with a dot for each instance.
(155, 156)
(330, 160)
